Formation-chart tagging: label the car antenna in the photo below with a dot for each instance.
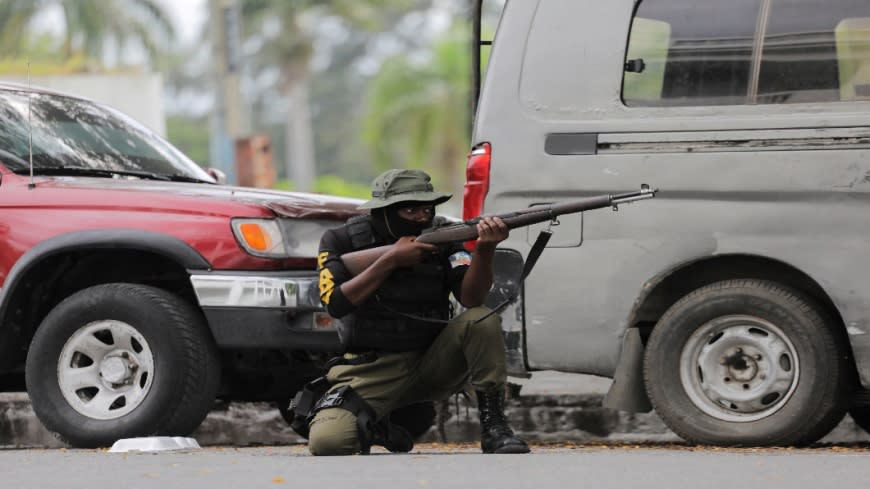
(30, 126)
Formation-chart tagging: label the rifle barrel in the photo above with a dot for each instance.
(467, 230)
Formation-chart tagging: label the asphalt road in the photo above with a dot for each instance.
(435, 466)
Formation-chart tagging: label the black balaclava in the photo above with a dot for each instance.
(387, 221)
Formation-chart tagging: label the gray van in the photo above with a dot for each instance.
(737, 302)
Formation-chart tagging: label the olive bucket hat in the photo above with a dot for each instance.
(394, 186)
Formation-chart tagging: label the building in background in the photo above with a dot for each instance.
(139, 95)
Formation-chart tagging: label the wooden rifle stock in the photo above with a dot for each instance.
(357, 261)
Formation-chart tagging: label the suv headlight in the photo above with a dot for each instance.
(302, 236)
(281, 238)
(260, 237)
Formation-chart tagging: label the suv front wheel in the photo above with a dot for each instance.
(122, 360)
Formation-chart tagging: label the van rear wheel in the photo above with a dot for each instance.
(748, 363)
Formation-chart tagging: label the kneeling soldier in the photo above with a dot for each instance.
(403, 347)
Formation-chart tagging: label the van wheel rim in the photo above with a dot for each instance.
(739, 368)
(105, 369)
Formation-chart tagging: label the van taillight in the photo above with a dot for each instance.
(476, 184)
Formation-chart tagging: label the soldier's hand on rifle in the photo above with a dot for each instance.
(407, 251)
(491, 231)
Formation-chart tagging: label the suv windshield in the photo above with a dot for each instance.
(77, 135)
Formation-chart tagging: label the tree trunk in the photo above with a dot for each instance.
(299, 161)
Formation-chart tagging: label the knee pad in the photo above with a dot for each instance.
(334, 432)
(347, 399)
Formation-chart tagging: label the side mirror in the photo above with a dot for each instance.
(219, 176)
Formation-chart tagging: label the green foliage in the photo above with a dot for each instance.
(89, 26)
(332, 185)
(284, 184)
(46, 65)
(366, 15)
(292, 49)
(190, 136)
(649, 41)
(288, 50)
(418, 112)
(853, 56)
(335, 185)
(43, 53)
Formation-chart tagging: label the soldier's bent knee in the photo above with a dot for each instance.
(480, 315)
(491, 322)
(333, 432)
(483, 319)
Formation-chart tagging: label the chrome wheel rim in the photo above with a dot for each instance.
(739, 368)
(106, 369)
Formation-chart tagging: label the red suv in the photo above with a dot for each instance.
(134, 290)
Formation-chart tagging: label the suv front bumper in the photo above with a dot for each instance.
(276, 310)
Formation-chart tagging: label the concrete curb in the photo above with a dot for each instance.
(537, 418)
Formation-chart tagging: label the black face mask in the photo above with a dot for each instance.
(396, 226)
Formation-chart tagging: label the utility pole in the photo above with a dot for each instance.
(230, 118)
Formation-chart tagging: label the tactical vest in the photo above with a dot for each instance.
(383, 322)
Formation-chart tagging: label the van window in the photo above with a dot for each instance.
(707, 52)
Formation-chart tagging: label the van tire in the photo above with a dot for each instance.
(747, 363)
(122, 360)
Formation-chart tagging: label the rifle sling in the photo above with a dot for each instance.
(534, 253)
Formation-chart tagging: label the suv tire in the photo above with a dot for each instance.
(122, 360)
(747, 362)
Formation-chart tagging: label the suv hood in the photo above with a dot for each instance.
(193, 197)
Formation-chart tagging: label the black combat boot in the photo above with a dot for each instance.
(495, 434)
(391, 436)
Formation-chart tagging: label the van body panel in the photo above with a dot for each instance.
(557, 46)
(796, 190)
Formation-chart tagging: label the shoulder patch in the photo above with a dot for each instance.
(460, 259)
(360, 230)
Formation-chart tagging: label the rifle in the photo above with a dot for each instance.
(357, 261)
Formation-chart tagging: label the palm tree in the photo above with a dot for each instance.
(292, 48)
(424, 107)
(89, 25)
